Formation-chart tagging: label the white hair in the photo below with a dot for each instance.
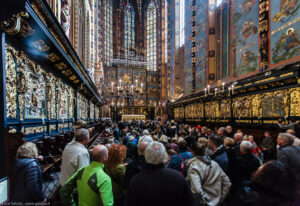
(146, 132)
(145, 138)
(287, 138)
(156, 153)
(246, 146)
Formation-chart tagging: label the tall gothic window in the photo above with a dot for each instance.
(129, 28)
(151, 37)
(108, 38)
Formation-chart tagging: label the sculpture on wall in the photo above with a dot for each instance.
(65, 16)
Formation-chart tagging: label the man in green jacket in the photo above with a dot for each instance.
(93, 184)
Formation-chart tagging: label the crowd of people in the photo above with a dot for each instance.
(166, 163)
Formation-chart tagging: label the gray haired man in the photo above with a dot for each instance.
(75, 155)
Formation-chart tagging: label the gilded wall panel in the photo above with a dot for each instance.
(256, 106)
(92, 111)
(51, 97)
(71, 102)
(179, 113)
(225, 109)
(97, 112)
(212, 110)
(83, 106)
(35, 96)
(295, 102)
(11, 79)
(241, 107)
(275, 104)
(199, 110)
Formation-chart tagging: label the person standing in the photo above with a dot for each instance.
(218, 151)
(27, 178)
(268, 147)
(209, 184)
(93, 184)
(157, 185)
(115, 168)
(75, 155)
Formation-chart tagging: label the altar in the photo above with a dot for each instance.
(133, 117)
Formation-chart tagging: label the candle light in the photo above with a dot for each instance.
(112, 87)
(62, 119)
(223, 86)
(132, 88)
(142, 87)
(232, 89)
(205, 90)
(43, 120)
(208, 87)
(229, 89)
(216, 91)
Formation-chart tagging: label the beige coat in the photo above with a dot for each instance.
(208, 182)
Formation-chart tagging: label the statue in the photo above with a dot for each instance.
(65, 16)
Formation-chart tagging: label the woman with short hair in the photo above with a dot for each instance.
(27, 179)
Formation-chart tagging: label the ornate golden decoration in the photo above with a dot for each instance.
(286, 74)
(97, 112)
(92, 110)
(241, 107)
(61, 66)
(39, 13)
(51, 97)
(263, 26)
(294, 101)
(52, 57)
(14, 25)
(256, 106)
(275, 104)
(34, 130)
(265, 80)
(212, 110)
(225, 109)
(11, 87)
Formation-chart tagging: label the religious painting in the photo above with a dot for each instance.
(295, 102)
(139, 75)
(189, 80)
(225, 109)
(110, 74)
(35, 96)
(105, 111)
(153, 90)
(179, 113)
(125, 75)
(241, 107)
(256, 105)
(11, 84)
(244, 36)
(201, 43)
(153, 101)
(139, 101)
(285, 31)
(211, 110)
(152, 77)
(273, 104)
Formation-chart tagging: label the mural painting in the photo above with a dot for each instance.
(139, 75)
(244, 36)
(110, 74)
(125, 75)
(285, 31)
(188, 47)
(201, 32)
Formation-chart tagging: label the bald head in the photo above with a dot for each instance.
(290, 131)
(142, 147)
(100, 153)
(238, 137)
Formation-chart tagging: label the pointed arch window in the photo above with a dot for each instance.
(129, 28)
(151, 37)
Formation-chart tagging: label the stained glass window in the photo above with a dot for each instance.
(151, 37)
(108, 38)
(129, 28)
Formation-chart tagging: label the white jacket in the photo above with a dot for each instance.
(208, 182)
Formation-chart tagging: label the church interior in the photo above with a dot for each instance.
(143, 64)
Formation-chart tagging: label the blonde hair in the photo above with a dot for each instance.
(203, 141)
(27, 150)
(246, 137)
(228, 142)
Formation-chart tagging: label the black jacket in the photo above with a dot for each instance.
(255, 195)
(159, 186)
(27, 181)
(134, 167)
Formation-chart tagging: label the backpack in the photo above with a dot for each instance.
(183, 165)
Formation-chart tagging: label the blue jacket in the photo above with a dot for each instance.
(175, 161)
(27, 181)
(220, 156)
